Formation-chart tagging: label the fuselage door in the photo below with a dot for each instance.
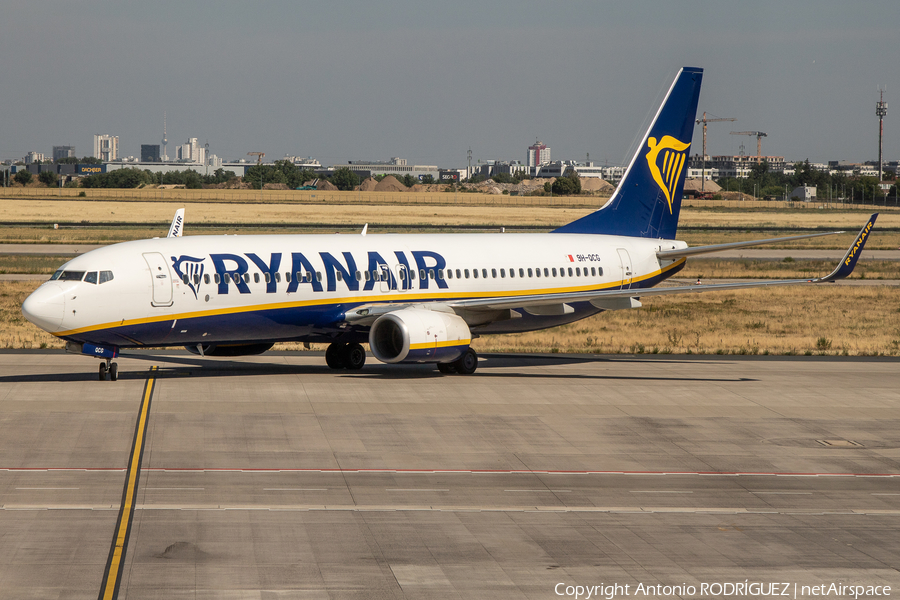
(627, 274)
(402, 275)
(161, 279)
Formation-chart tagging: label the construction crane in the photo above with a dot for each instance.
(259, 156)
(759, 136)
(704, 120)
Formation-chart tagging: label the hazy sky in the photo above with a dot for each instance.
(355, 80)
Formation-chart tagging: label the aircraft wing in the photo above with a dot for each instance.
(614, 298)
(679, 253)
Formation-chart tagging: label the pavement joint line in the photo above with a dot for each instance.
(115, 564)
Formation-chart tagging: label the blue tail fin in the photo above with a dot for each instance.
(648, 200)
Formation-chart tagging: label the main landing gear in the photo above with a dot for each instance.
(345, 356)
(109, 367)
(464, 365)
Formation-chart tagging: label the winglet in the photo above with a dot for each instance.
(848, 263)
(177, 224)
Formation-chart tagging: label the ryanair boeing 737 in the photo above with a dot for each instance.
(414, 298)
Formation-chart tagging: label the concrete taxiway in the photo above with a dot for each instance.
(274, 476)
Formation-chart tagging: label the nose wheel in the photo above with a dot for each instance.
(110, 368)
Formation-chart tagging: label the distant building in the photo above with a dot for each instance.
(150, 153)
(106, 147)
(34, 157)
(804, 193)
(396, 167)
(62, 152)
(738, 166)
(538, 154)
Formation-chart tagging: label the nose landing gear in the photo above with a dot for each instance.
(109, 367)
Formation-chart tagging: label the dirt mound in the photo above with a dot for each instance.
(695, 185)
(368, 185)
(594, 184)
(276, 186)
(326, 186)
(390, 184)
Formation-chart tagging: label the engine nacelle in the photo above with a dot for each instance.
(230, 349)
(415, 335)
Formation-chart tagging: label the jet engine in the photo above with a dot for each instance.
(229, 349)
(416, 335)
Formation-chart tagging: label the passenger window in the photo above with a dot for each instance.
(216, 277)
(368, 276)
(484, 273)
(402, 274)
(537, 272)
(599, 270)
(376, 276)
(246, 277)
(359, 276)
(430, 273)
(196, 277)
(475, 273)
(593, 273)
(530, 274)
(522, 272)
(236, 277)
(268, 278)
(108, 276)
(467, 273)
(440, 273)
(339, 275)
(449, 273)
(256, 278)
(547, 272)
(554, 271)
(91, 277)
(412, 274)
(421, 273)
(512, 273)
(318, 275)
(494, 273)
(457, 274)
(578, 271)
(277, 277)
(184, 278)
(502, 273)
(570, 271)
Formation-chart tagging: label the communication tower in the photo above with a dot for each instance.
(881, 112)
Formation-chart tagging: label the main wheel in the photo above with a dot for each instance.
(354, 356)
(102, 371)
(334, 356)
(113, 372)
(467, 363)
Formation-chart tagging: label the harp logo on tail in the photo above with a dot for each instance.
(666, 170)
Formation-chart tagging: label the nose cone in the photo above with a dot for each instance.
(45, 307)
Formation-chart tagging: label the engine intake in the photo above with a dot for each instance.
(415, 335)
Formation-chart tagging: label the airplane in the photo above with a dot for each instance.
(415, 298)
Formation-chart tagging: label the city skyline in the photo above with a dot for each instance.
(363, 81)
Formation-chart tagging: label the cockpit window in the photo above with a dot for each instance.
(106, 276)
(91, 277)
(71, 276)
(56, 275)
